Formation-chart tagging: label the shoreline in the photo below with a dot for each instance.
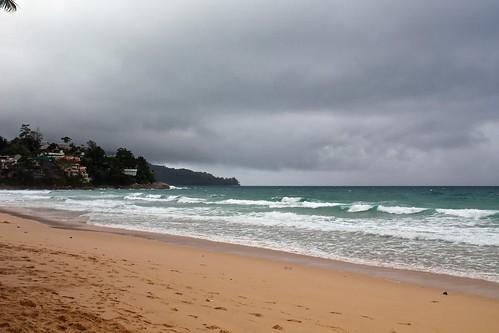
(56, 278)
(135, 186)
(445, 282)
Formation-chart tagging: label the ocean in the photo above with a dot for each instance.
(451, 230)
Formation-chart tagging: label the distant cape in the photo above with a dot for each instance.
(174, 176)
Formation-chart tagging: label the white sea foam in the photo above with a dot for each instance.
(190, 200)
(442, 240)
(400, 210)
(285, 202)
(245, 202)
(468, 213)
(356, 208)
(90, 204)
(178, 187)
(34, 197)
(22, 192)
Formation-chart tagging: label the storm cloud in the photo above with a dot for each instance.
(273, 92)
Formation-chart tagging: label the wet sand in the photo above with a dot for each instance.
(55, 278)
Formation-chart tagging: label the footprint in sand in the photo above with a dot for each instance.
(256, 314)
(277, 327)
(211, 327)
(221, 308)
(405, 324)
(294, 321)
(367, 317)
(335, 313)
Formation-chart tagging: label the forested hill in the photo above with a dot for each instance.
(188, 177)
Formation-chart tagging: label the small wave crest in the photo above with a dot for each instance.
(27, 192)
(468, 213)
(400, 210)
(357, 208)
(285, 202)
(150, 197)
(190, 200)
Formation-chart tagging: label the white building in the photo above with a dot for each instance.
(7, 162)
(130, 172)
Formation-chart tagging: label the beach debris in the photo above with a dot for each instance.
(277, 327)
(445, 293)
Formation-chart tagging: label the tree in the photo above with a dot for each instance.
(3, 144)
(66, 139)
(29, 138)
(96, 162)
(124, 159)
(8, 5)
(144, 172)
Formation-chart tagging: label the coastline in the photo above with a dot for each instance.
(57, 277)
(149, 186)
(445, 282)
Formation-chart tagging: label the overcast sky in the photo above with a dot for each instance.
(317, 92)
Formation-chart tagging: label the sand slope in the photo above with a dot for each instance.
(55, 280)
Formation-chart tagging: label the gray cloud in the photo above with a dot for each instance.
(319, 92)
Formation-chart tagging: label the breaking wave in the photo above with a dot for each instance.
(356, 208)
(468, 213)
(398, 210)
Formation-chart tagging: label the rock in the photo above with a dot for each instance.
(160, 186)
(156, 186)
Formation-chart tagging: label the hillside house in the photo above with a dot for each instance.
(130, 172)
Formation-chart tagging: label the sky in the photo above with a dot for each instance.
(315, 92)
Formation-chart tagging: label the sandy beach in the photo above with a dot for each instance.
(69, 280)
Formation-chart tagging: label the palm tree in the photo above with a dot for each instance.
(8, 5)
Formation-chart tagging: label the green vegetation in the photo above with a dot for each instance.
(28, 161)
(189, 177)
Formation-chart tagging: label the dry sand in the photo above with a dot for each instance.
(59, 280)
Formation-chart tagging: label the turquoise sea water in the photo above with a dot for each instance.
(453, 230)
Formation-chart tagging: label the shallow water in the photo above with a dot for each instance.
(453, 230)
